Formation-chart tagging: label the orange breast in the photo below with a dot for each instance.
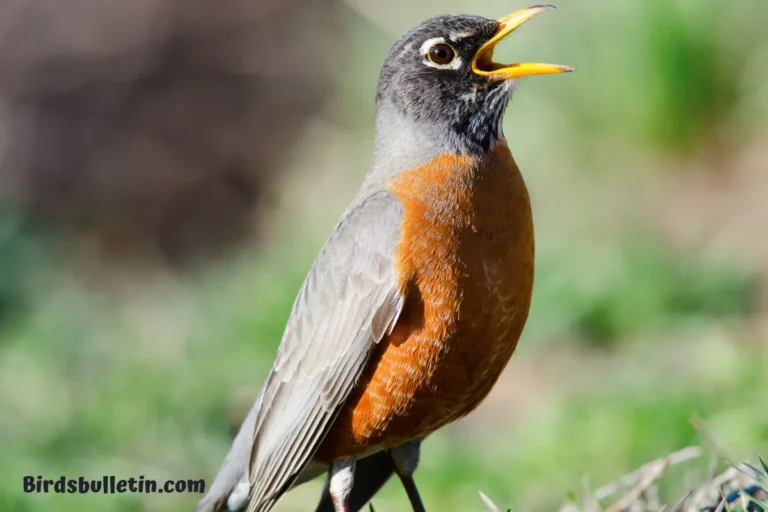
(466, 264)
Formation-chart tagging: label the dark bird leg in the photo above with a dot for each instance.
(406, 459)
(371, 473)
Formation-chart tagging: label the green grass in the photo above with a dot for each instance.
(99, 385)
(645, 288)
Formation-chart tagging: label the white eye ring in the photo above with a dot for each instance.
(427, 46)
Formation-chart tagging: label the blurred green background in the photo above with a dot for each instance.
(648, 170)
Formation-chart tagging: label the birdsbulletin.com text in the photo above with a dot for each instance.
(109, 485)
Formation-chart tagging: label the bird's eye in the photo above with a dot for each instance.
(441, 53)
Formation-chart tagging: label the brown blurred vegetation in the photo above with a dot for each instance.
(154, 127)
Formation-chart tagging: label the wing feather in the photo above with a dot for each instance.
(348, 302)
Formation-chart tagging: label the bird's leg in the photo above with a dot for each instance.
(340, 480)
(406, 458)
(371, 473)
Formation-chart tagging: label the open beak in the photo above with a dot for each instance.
(483, 63)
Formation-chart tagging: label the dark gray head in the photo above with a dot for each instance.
(441, 76)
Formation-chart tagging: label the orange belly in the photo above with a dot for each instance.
(465, 263)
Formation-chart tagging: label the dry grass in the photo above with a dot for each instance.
(741, 487)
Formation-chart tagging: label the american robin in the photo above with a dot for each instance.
(417, 300)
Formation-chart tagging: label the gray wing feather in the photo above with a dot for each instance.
(347, 303)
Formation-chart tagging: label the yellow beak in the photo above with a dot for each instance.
(483, 63)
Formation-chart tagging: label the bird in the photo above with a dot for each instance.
(416, 301)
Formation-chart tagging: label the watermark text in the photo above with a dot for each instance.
(109, 484)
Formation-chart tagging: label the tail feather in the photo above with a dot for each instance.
(234, 470)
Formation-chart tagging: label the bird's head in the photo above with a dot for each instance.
(441, 76)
